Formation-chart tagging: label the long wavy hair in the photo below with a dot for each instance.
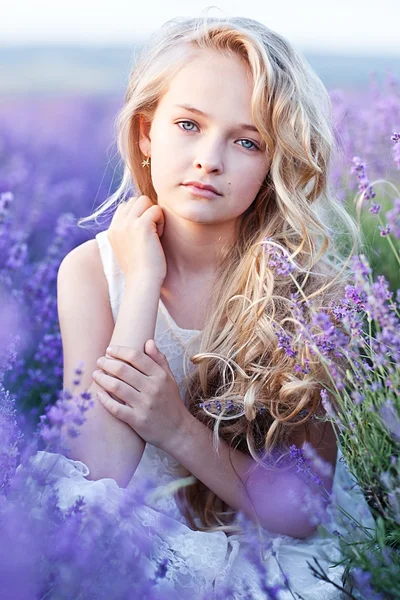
(245, 388)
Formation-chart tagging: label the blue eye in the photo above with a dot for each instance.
(242, 140)
(250, 142)
(191, 123)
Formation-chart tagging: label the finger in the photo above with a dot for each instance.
(120, 411)
(119, 216)
(124, 206)
(135, 358)
(118, 388)
(155, 215)
(123, 371)
(160, 358)
(139, 205)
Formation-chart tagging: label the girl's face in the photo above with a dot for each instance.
(216, 148)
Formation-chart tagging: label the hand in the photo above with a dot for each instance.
(143, 381)
(134, 235)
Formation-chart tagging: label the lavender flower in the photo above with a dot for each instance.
(375, 208)
(384, 230)
(303, 464)
(391, 418)
(68, 413)
(10, 438)
(285, 343)
(396, 149)
(331, 337)
(326, 404)
(6, 198)
(278, 259)
(364, 185)
(363, 579)
(320, 465)
(393, 218)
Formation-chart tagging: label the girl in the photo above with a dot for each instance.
(226, 136)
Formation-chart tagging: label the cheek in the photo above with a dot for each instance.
(163, 172)
(245, 187)
(258, 179)
(242, 193)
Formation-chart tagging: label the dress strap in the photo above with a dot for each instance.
(112, 270)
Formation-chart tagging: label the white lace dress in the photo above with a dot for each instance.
(200, 562)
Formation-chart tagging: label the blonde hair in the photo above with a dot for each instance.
(239, 362)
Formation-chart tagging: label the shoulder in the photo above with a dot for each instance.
(85, 257)
(82, 267)
(87, 251)
(84, 311)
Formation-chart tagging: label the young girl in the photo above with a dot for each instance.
(226, 137)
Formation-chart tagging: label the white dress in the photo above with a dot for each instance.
(201, 562)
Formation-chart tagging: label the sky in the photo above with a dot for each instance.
(365, 27)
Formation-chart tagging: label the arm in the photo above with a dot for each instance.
(109, 447)
(269, 492)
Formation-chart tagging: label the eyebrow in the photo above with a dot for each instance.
(203, 114)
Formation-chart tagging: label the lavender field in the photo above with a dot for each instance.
(58, 162)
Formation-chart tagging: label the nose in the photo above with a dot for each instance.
(210, 161)
(208, 166)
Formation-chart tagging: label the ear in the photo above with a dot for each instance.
(144, 135)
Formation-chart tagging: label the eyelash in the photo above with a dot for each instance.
(193, 123)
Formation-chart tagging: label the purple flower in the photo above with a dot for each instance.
(375, 208)
(327, 404)
(361, 267)
(396, 149)
(65, 414)
(364, 185)
(390, 418)
(320, 465)
(331, 337)
(10, 438)
(357, 396)
(356, 296)
(304, 465)
(6, 198)
(384, 230)
(284, 343)
(363, 581)
(393, 218)
(278, 258)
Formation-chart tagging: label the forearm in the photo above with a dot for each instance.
(110, 447)
(136, 321)
(259, 493)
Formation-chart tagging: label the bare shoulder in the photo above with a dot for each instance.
(86, 256)
(82, 266)
(84, 310)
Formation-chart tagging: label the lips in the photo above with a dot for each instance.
(201, 193)
(202, 186)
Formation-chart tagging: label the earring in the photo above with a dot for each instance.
(146, 163)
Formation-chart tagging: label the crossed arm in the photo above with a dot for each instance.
(277, 497)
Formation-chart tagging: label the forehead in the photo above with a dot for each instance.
(212, 83)
(211, 66)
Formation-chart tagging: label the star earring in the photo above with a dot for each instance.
(146, 163)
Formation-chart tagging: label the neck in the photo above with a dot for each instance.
(192, 249)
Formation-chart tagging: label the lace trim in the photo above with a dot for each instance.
(186, 333)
